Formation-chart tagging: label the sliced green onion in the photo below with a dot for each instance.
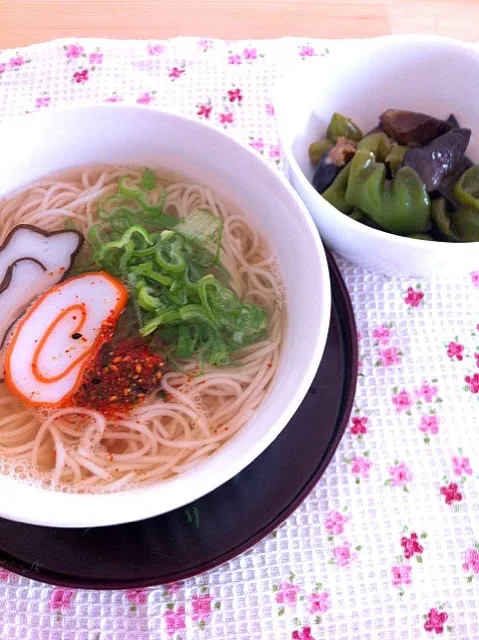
(149, 180)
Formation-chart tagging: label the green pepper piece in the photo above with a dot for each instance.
(356, 214)
(378, 143)
(395, 157)
(465, 224)
(420, 236)
(441, 218)
(317, 150)
(466, 189)
(335, 194)
(400, 206)
(343, 126)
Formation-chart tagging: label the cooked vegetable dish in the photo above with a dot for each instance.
(409, 176)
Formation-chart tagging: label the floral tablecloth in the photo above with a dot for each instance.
(387, 545)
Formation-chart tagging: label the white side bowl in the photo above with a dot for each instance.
(430, 74)
(37, 145)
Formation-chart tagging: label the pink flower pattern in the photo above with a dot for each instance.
(145, 98)
(74, 51)
(257, 144)
(414, 297)
(401, 575)
(201, 607)
(335, 522)
(274, 151)
(250, 54)
(360, 425)
(307, 51)
(137, 596)
(204, 111)
(234, 58)
(175, 620)
(173, 588)
(226, 118)
(461, 466)
(472, 383)
(411, 546)
(475, 278)
(269, 109)
(318, 602)
(435, 621)
(80, 77)
(451, 493)
(287, 593)
(382, 335)
(235, 95)
(471, 561)
(304, 634)
(155, 49)
(455, 350)
(402, 401)
(389, 356)
(42, 101)
(343, 555)
(176, 73)
(400, 475)
(361, 466)
(60, 599)
(427, 392)
(205, 44)
(95, 58)
(429, 424)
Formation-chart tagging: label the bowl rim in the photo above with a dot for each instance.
(70, 510)
(303, 78)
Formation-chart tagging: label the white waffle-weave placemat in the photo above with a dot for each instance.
(387, 545)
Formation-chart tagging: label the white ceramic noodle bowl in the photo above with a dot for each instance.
(46, 142)
(434, 75)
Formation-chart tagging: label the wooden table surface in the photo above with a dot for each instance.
(25, 22)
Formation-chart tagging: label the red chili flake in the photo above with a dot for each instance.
(270, 365)
(112, 385)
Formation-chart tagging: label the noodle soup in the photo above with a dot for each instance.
(154, 341)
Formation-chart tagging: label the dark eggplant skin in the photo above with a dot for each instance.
(331, 163)
(453, 121)
(412, 128)
(445, 188)
(440, 158)
(324, 174)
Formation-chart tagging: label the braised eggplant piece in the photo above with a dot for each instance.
(445, 188)
(411, 128)
(439, 158)
(453, 121)
(332, 162)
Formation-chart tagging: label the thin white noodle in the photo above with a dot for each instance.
(79, 449)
